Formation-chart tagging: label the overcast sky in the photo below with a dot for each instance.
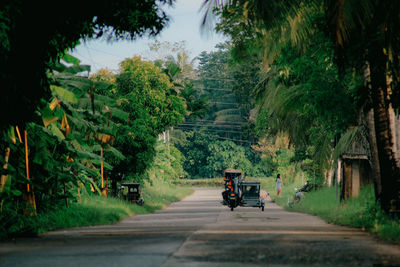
(184, 26)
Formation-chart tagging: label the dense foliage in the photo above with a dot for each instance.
(147, 96)
(297, 92)
(36, 34)
(363, 43)
(89, 134)
(205, 156)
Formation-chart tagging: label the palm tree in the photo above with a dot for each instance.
(365, 35)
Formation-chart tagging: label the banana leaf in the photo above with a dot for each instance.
(64, 94)
(11, 134)
(115, 152)
(89, 171)
(71, 59)
(77, 69)
(87, 180)
(53, 129)
(105, 164)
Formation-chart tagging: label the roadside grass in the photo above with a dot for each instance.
(361, 212)
(97, 210)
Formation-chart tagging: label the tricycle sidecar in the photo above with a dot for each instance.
(131, 192)
(250, 195)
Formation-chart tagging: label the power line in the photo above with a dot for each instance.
(215, 63)
(91, 59)
(210, 125)
(104, 52)
(217, 89)
(191, 128)
(223, 103)
(225, 138)
(217, 79)
(235, 122)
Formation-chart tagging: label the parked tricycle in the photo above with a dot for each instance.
(131, 192)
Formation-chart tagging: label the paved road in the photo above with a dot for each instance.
(199, 231)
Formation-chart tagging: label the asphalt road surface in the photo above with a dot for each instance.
(199, 231)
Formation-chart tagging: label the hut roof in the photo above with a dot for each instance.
(356, 151)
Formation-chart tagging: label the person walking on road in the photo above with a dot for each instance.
(278, 185)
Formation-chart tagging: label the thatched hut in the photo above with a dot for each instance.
(354, 170)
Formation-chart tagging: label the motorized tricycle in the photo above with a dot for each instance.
(131, 193)
(300, 193)
(239, 192)
(230, 196)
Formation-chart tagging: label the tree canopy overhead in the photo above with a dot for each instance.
(365, 39)
(34, 35)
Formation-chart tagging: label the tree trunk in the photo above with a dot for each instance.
(368, 118)
(381, 101)
(330, 172)
(330, 177)
(376, 172)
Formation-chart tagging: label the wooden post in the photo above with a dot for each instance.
(19, 134)
(347, 179)
(355, 178)
(101, 168)
(26, 159)
(30, 197)
(106, 185)
(338, 176)
(79, 195)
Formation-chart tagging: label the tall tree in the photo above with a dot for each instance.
(366, 36)
(149, 97)
(35, 34)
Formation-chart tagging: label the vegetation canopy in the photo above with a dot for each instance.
(35, 35)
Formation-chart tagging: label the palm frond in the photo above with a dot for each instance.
(348, 16)
(357, 135)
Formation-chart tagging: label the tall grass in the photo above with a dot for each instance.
(97, 210)
(362, 211)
